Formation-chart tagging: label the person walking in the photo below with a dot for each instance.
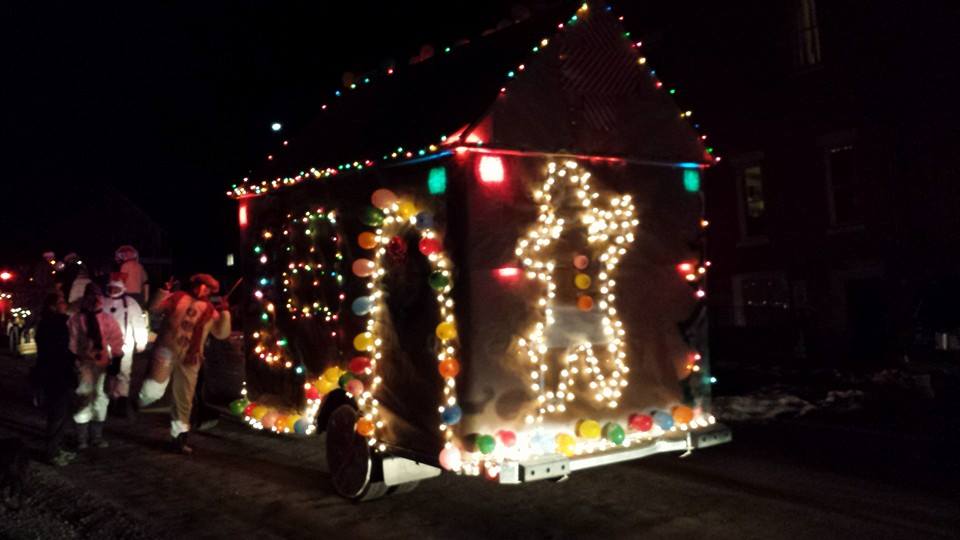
(135, 277)
(97, 341)
(188, 319)
(126, 311)
(56, 375)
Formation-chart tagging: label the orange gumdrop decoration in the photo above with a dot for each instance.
(449, 367)
(365, 427)
(585, 303)
(367, 240)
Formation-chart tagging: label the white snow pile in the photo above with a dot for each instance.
(759, 406)
(773, 403)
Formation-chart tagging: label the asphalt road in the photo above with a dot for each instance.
(777, 481)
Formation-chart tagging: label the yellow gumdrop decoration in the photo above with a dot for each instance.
(407, 209)
(282, 423)
(363, 342)
(582, 281)
(259, 412)
(589, 429)
(446, 331)
(332, 374)
(565, 444)
(325, 387)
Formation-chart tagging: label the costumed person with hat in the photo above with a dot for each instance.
(126, 311)
(96, 340)
(136, 280)
(188, 318)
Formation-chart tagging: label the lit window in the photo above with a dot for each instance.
(807, 50)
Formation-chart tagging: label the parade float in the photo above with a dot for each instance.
(488, 261)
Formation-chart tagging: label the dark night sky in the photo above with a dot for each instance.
(172, 101)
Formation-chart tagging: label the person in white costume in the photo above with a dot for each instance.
(133, 323)
(96, 340)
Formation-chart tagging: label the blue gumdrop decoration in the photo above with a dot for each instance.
(300, 426)
(451, 415)
(424, 220)
(362, 305)
(663, 419)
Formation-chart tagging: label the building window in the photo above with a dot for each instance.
(753, 209)
(807, 50)
(761, 300)
(844, 189)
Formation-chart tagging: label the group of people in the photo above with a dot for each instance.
(85, 351)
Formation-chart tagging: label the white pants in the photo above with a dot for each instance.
(93, 395)
(120, 385)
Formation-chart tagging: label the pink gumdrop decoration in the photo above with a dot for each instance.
(581, 262)
(363, 267)
(383, 198)
(354, 386)
(450, 458)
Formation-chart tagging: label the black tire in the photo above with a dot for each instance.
(354, 471)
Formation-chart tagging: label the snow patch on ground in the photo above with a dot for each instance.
(760, 406)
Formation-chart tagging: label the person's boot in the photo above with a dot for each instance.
(83, 436)
(96, 435)
(180, 445)
(125, 408)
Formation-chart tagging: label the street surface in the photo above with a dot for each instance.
(780, 481)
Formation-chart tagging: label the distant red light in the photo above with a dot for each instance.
(242, 215)
(491, 169)
(6, 276)
(507, 273)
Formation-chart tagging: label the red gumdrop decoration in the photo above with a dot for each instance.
(312, 393)
(640, 422)
(507, 437)
(358, 364)
(248, 409)
(429, 246)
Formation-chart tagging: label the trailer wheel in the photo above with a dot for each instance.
(353, 467)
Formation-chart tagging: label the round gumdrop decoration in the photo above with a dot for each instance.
(407, 209)
(258, 412)
(358, 365)
(424, 220)
(345, 377)
(451, 415)
(584, 303)
(565, 443)
(640, 422)
(363, 341)
(450, 458)
(613, 433)
(312, 392)
(371, 217)
(429, 246)
(486, 444)
(446, 330)
(663, 419)
(332, 374)
(588, 429)
(365, 427)
(506, 437)
(300, 426)
(383, 198)
(363, 267)
(281, 423)
(361, 305)
(581, 262)
(237, 406)
(438, 281)
(248, 410)
(367, 240)
(325, 386)
(269, 419)
(449, 367)
(354, 386)
(582, 281)
(682, 414)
